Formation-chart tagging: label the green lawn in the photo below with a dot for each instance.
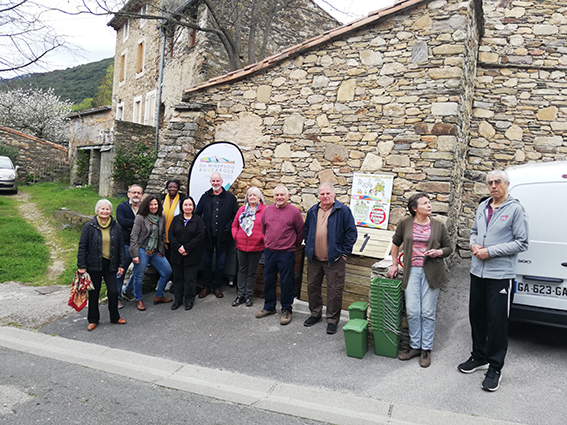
(28, 262)
(24, 257)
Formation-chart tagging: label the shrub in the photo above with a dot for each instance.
(137, 167)
(10, 152)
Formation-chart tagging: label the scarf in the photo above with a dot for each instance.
(170, 210)
(246, 219)
(105, 230)
(154, 236)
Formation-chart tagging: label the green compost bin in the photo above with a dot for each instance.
(356, 338)
(357, 310)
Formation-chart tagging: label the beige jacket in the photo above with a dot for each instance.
(141, 233)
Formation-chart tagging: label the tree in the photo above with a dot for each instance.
(228, 20)
(36, 112)
(103, 96)
(25, 36)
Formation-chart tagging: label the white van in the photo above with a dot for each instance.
(540, 290)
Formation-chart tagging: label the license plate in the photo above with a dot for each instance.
(541, 289)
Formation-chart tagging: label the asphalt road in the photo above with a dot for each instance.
(220, 337)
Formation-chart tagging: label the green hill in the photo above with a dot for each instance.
(75, 83)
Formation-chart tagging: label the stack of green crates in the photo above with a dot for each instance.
(386, 316)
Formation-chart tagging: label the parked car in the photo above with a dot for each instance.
(8, 175)
(540, 292)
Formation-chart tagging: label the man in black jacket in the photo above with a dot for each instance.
(217, 208)
(125, 215)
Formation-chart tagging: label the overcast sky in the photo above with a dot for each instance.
(94, 40)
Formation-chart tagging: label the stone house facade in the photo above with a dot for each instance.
(37, 157)
(90, 131)
(435, 92)
(190, 57)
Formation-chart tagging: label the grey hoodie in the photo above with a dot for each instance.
(505, 236)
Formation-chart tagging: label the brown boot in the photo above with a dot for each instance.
(162, 300)
(140, 305)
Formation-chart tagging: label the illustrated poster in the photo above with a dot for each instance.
(370, 199)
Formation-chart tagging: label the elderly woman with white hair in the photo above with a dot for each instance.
(101, 254)
(247, 232)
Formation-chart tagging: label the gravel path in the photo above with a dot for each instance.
(31, 307)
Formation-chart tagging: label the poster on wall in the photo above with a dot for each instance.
(222, 157)
(370, 199)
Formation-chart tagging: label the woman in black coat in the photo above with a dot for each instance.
(186, 237)
(101, 254)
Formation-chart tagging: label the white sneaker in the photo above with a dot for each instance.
(168, 286)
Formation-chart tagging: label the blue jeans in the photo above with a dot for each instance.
(160, 264)
(421, 303)
(284, 263)
(120, 279)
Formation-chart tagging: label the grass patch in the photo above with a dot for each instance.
(24, 257)
(50, 197)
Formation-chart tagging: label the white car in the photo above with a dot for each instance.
(8, 175)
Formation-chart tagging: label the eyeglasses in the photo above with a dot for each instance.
(494, 182)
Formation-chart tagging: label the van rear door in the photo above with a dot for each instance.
(541, 274)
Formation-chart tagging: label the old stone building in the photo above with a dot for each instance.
(37, 157)
(90, 132)
(435, 92)
(189, 56)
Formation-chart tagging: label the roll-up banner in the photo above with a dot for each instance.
(222, 157)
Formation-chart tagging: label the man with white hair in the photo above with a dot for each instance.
(330, 234)
(498, 234)
(282, 226)
(217, 208)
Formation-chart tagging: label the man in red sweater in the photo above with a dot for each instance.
(282, 226)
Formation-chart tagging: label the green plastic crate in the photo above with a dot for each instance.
(386, 343)
(357, 310)
(356, 338)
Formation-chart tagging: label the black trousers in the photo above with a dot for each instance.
(489, 309)
(109, 277)
(184, 282)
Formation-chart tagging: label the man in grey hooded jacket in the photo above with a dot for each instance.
(498, 234)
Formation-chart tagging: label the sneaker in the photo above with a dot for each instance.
(286, 317)
(409, 354)
(425, 358)
(264, 313)
(331, 328)
(472, 365)
(249, 302)
(238, 301)
(129, 297)
(311, 320)
(168, 286)
(491, 380)
(120, 304)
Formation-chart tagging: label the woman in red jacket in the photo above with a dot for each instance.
(247, 232)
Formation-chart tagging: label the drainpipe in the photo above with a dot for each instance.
(160, 79)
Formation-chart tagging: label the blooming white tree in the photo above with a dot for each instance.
(36, 112)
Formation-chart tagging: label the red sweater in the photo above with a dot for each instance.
(255, 242)
(282, 228)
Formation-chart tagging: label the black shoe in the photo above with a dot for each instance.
(472, 365)
(188, 306)
(249, 302)
(492, 380)
(311, 320)
(331, 328)
(175, 306)
(238, 301)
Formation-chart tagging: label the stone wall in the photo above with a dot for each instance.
(520, 103)
(127, 136)
(393, 97)
(37, 157)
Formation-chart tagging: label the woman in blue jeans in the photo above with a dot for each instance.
(147, 245)
(426, 243)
